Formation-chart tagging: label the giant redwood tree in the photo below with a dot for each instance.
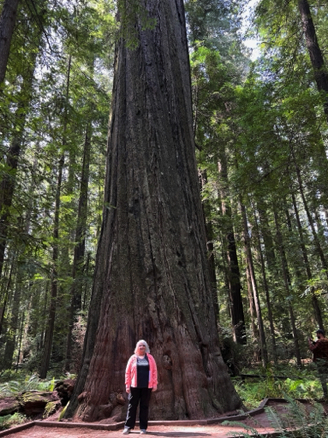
(151, 278)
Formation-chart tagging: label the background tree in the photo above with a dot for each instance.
(7, 25)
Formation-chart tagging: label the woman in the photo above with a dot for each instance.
(140, 381)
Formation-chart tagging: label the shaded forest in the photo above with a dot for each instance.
(260, 126)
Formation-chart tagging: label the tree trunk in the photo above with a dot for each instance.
(151, 277)
(85, 293)
(19, 343)
(209, 245)
(7, 186)
(79, 250)
(252, 311)
(25, 333)
(11, 335)
(315, 303)
(266, 233)
(233, 274)
(55, 251)
(286, 278)
(317, 61)
(54, 280)
(8, 179)
(5, 289)
(250, 267)
(310, 219)
(326, 216)
(266, 288)
(7, 25)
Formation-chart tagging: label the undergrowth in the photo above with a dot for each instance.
(25, 383)
(297, 384)
(12, 384)
(299, 421)
(8, 421)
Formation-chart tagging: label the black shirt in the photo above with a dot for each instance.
(142, 372)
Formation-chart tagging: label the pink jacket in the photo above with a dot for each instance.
(131, 372)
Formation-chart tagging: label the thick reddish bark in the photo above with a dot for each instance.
(151, 278)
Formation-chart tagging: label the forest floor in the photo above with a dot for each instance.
(259, 421)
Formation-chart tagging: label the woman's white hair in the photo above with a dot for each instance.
(142, 342)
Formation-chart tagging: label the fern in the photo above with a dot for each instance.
(300, 420)
(253, 432)
(28, 383)
(10, 420)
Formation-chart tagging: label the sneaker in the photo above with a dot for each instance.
(126, 430)
(143, 431)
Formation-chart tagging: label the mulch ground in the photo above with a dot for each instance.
(258, 419)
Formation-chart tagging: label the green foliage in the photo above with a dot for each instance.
(300, 421)
(49, 409)
(8, 421)
(52, 384)
(62, 413)
(250, 431)
(303, 384)
(215, 23)
(24, 383)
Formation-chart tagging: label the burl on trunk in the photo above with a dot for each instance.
(151, 278)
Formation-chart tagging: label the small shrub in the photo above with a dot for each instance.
(298, 384)
(8, 421)
(298, 422)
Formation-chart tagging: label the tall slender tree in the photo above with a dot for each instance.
(7, 25)
(315, 53)
(55, 250)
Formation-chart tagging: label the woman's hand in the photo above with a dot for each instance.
(128, 390)
(154, 388)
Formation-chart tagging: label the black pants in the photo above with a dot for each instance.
(136, 395)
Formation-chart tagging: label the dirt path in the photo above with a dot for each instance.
(53, 429)
(257, 419)
(159, 431)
